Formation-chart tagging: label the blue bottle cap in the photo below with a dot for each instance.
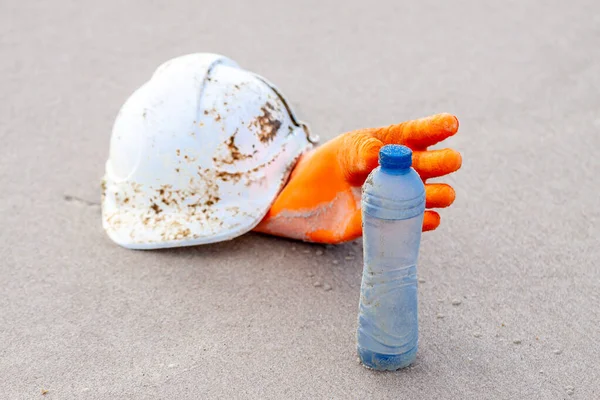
(394, 156)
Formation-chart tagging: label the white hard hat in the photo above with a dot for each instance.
(198, 154)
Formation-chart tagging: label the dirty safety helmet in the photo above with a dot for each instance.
(198, 155)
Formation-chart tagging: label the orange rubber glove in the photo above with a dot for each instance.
(321, 201)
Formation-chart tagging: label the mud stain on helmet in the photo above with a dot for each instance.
(266, 123)
(156, 208)
(232, 152)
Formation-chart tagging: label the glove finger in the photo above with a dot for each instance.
(431, 220)
(419, 133)
(435, 163)
(358, 155)
(439, 195)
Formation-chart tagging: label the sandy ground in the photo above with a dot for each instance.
(83, 318)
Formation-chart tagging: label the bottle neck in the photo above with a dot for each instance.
(395, 171)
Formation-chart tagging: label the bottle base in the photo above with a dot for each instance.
(386, 362)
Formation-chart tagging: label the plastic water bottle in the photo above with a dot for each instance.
(393, 204)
